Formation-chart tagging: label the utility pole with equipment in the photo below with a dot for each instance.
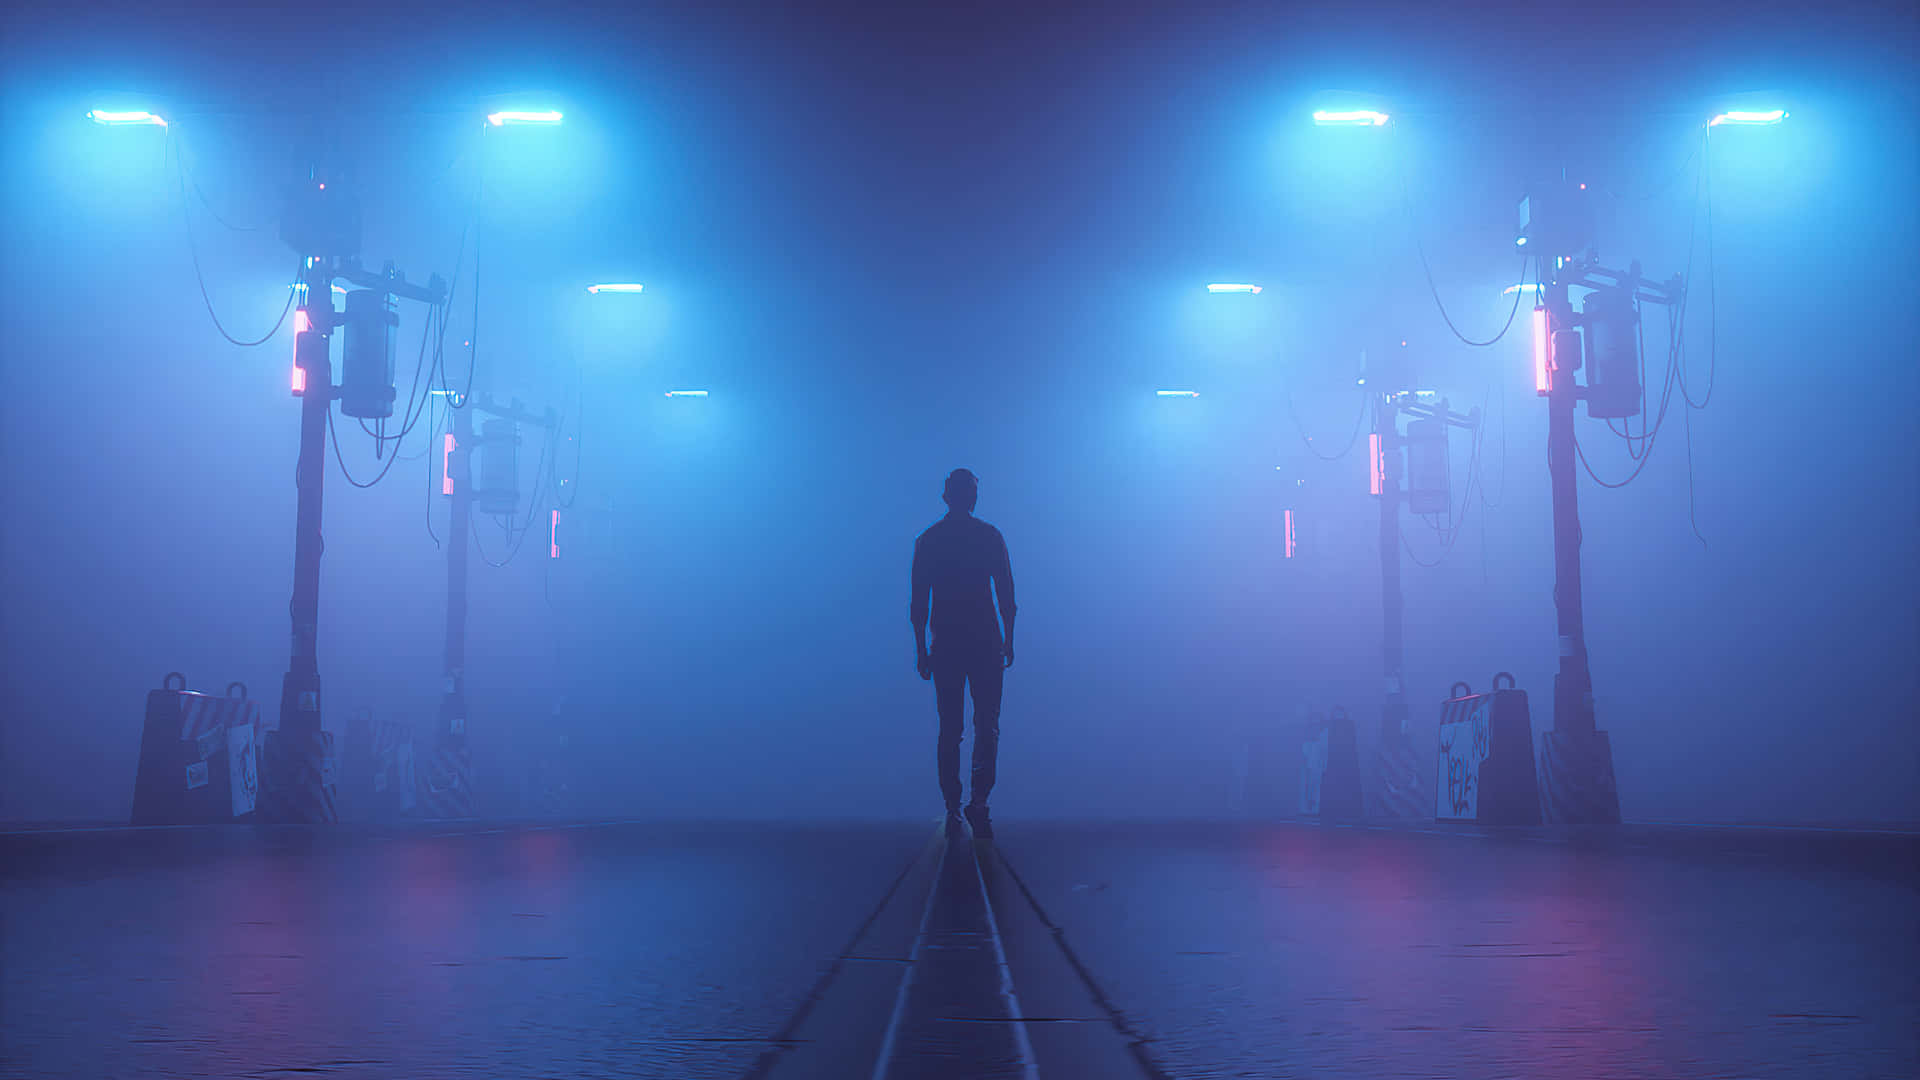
(491, 485)
(322, 223)
(1576, 758)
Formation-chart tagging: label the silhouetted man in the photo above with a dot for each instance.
(959, 566)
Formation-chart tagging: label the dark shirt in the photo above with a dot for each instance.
(959, 566)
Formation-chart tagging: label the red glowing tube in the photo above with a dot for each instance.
(1378, 483)
(446, 466)
(299, 381)
(1290, 545)
(553, 537)
(1542, 347)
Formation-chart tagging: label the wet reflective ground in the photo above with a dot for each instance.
(653, 950)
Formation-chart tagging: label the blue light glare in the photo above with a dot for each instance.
(1748, 117)
(1529, 287)
(125, 119)
(686, 393)
(1177, 393)
(1349, 118)
(614, 288)
(548, 117)
(1231, 288)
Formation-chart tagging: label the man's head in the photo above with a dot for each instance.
(963, 491)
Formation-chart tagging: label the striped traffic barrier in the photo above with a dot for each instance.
(1576, 778)
(1485, 771)
(446, 784)
(198, 756)
(299, 784)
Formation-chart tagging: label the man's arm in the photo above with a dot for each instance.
(922, 604)
(1003, 590)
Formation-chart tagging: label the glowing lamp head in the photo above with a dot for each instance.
(514, 117)
(614, 288)
(1747, 118)
(1177, 393)
(134, 118)
(1349, 118)
(686, 393)
(1251, 290)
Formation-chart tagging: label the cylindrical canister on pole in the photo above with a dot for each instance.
(497, 470)
(367, 363)
(1613, 355)
(1428, 490)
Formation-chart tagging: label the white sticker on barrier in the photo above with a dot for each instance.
(1464, 744)
(196, 775)
(242, 768)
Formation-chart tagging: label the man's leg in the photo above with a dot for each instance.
(949, 694)
(988, 676)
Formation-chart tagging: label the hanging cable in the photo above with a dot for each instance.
(1713, 300)
(1352, 440)
(193, 249)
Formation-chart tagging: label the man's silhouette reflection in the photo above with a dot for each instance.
(959, 566)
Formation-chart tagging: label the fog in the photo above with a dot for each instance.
(891, 242)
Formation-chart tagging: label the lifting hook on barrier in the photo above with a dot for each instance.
(1460, 690)
(167, 683)
(1507, 675)
(242, 695)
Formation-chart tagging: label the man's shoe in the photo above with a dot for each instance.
(982, 825)
(956, 830)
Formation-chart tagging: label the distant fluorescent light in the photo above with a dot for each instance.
(122, 119)
(1349, 118)
(441, 391)
(1772, 116)
(512, 117)
(1520, 241)
(1529, 287)
(625, 288)
(1176, 393)
(1233, 289)
(686, 393)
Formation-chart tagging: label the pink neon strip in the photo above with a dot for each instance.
(553, 537)
(446, 466)
(1290, 537)
(1379, 479)
(1542, 343)
(299, 381)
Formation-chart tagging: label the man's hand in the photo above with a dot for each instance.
(926, 664)
(1006, 655)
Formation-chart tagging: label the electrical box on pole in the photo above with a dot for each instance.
(367, 360)
(497, 468)
(1611, 322)
(1429, 487)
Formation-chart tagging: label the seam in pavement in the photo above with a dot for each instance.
(785, 1037)
(1136, 1042)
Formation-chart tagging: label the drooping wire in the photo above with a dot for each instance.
(1352, 440)
(193, 249)
(1713, 300)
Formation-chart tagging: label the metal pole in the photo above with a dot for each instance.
(300, 688)
(1573, 684)
(451, 730)
(1393, 713)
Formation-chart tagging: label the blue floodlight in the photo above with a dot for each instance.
(125, 119)
(1223, 288)
(1349, 118)
(1749, 118)
(1529, 287)
(1177, 393)
(613, 288)
(686, 393)
(549, 117)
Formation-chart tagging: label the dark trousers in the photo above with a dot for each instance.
(953, 671)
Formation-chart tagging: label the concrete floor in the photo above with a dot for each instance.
(654, 950)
